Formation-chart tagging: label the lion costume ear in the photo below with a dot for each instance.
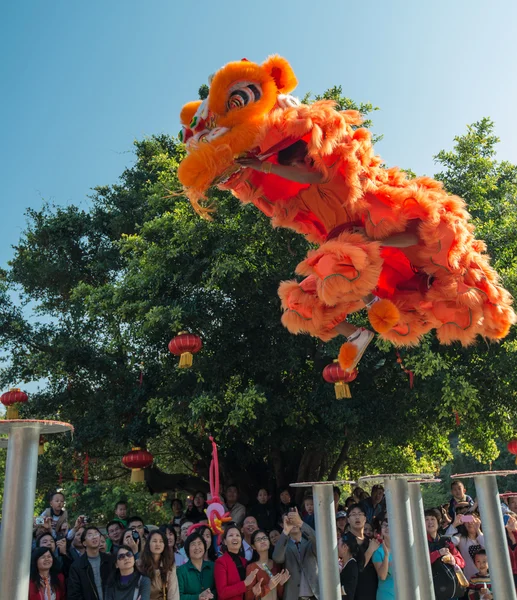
(281, 71)
(188, 112)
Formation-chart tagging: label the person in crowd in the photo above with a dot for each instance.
(56, 511)
(445, 518)
(121, 513)
(80, 522)
(58, 549)
(511, 537)
(367, 582)
(382, 561)
(230, 576)
(375, 505)
(103, 544)
(459, 498)
(296, 551)
(206, 532)
(249, 526)
(157, 563)
(274, 536)
(308, 509)
(348, 502)
(89, 574)
(125, 582)
(465, 533)
(359, 495)
(76, 549)
(270, 580)
(480, 585)
(186, 524)
(235, 508)
(197, 512)
(341, 523)
(338, 507)
(196, 577)
(177, 511)
(115, 531)
(264, 511)
(45, 580)
(137, 524)
(444, 557)
(368, 530)
(132, 538)
(348, 552)
(285, 504)
(169, 531)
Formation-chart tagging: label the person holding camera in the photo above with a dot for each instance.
(465, 533)
(296, 551)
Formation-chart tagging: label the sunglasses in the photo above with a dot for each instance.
(124, 555)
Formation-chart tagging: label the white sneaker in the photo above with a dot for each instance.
(361, 341)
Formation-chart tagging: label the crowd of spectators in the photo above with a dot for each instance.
(267, 551)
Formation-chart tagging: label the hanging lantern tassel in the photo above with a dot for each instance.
(342, 390)
(185, 345)
(333, 373)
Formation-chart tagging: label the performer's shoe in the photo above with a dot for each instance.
(352, 351)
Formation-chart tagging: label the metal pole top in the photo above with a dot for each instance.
(483, 474)
(410, 477)
(318, 483)
(43, 425)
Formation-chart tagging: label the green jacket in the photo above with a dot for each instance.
(192, 582)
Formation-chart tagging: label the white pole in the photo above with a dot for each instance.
(422, 558)
(326, 541)
(402, 540)
(18, 510)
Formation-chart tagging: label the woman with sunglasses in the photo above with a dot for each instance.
(126, 583)
(270, 580)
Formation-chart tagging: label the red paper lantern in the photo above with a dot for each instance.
(137, 460)
(333, 373)
(10, 400)
(185, 345)
(512, 448)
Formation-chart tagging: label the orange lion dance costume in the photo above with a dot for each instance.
(443, 282)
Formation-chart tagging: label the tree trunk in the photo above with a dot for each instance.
(340, 461)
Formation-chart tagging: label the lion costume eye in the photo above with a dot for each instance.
(244, 94)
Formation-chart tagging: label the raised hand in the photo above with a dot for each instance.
(284, 576)
(250, 578)
(295, 519)
(275, 580)
(257, 589)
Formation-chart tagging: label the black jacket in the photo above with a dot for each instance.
(81, 583)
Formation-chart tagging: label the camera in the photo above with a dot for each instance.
(39, 521)
(136, 535)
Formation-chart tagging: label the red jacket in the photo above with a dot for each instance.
(435, 554)
(227, 581)
(36, 593)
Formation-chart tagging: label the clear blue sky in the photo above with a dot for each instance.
(82, 80)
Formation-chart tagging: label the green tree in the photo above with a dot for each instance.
(113, 284)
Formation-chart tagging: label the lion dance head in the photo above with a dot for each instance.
(228, 123)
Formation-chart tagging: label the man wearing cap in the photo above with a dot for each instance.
(375, 505)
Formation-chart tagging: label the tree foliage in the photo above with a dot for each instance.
(110, 286)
